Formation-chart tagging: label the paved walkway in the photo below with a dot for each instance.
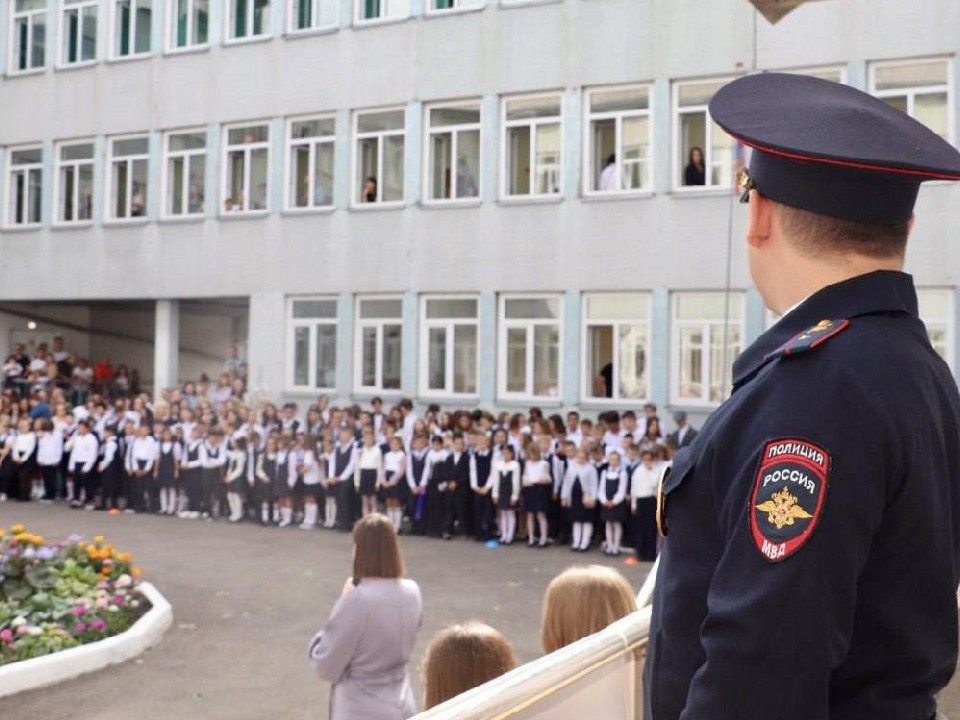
(246, 600)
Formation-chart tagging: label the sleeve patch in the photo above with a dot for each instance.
(788, 496)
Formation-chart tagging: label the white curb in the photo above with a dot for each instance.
(68, 664)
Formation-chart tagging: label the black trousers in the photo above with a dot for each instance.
(463, 508)
(482, 517)
(192, 486)
(85, 483)
(346, 505)
(646, 528)
(439, 511)
(212, 490)
(50, 475)
(25, 475)
(112, 489)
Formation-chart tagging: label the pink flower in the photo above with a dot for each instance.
(78, 611)
(98, 624)
(6, 635)
(80, 627)
(102, 603)
(118, 599)
(23, 630)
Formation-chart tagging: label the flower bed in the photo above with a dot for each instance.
(63, 595)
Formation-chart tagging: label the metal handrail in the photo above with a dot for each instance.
(645, 596)
(537, 680)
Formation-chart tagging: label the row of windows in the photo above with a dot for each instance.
(617, 159)
(186, 24)
(707, 333)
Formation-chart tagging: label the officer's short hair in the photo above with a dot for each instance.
(818, 235)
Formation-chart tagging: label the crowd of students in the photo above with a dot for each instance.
(215, 452)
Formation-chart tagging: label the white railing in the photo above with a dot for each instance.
(598, 676)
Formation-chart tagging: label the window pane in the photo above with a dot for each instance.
(546, 360)
(697, 93)
(548, 159)
(720, 367)
(622, 306)
(176, 172)
(900, 102)
(312, 128)
(258, 179)
(393, 168)
(26, 157)
(373, 309)
(625, 99)
(632, 383)
(452, 308)
(314, 309)
(468, 163)
(248, 135)
(931, 110)
(301, 355)
(197, 176)
(518, 161)
(691, 363)
(516, 360)
(693, 140)
(600, 361)
(130, 146)
(934, 304)
(454, 116)
(300, 179)
(323, 175)
(465, 359)
(706, 306)
(187, 141)
(604, 138)
(911, 76)
(441, 157)
(367, 168)
(326, 355)
(437, 359)
(380, 121)
(77, 152)
(392, 346)
(636, 140)
(721, 158)
(368, 357)
(529, 108)
(532, 308)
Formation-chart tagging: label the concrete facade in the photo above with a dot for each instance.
(660, 241)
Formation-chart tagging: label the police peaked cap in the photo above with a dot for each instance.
(831, 149)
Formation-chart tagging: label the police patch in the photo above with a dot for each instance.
(788, 496)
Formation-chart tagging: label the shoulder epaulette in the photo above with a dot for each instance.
(810, 338)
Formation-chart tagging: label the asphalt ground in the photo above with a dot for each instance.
(247, 599)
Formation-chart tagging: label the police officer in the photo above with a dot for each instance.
(811, 563)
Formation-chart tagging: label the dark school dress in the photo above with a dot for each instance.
(536, 498)
(505, 490)
(166, 467)
(368, 481)
(577, 511)
(611, 481)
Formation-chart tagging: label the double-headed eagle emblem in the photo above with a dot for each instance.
(783, 509)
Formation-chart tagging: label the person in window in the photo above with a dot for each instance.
(604, 382)
(695, 173)
(608, 176)
(369, 192)
(138, 201)
(195, 201)
(466, 184)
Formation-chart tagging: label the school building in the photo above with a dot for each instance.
(470, 202)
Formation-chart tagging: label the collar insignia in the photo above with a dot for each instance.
(811, 338)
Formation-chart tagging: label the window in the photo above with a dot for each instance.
(619, 140)
(379, 344)
(132, 21)
(532, 146)
(25, 186)
(310, 156)
(78, 31)
(616, 346)
(937, 313)
(444, 5)
(701, 334)
(379, 156)
(29, 42)
(312, 14)
(529, 362)
(374, 10)
(248, 18)
(74, 177)
(919, 88)
(312, 332)
(448, 349)
(246, 168)
(128, 177)
(453, 144)
(185, 166)
(190, 23)
(705, 151)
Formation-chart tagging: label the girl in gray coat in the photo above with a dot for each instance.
(365, 647)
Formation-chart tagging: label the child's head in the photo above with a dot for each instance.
(458, 443)
(533, 451)
(462, 657)
(368, 439)
(346, 436)
(507, 452)
(614, 459)
(647, 456)
(419, 442)
(396, 443)
(581, 601)
(167, 434)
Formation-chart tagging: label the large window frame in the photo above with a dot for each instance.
(247, 148)
(29, 38)
(123, 16)
(303, 15)
(371, 12)
(718, 170)
(457, 133)
(708, 327)
(379, 324)
(941, 327)
(249, 13)
(450, 326)
(192, 25)
(73, 52)
(910, 94)
(534, 127)
(383, 139)
(69, 176)
(530, 326)
(619, 323)
(309, 327)
(449, 7)
(315, 145)
(124, 173)
(24, 191)
(592, 163)
(183, 162)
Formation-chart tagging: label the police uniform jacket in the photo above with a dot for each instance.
(811, 564)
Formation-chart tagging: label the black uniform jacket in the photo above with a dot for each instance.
(811, 565)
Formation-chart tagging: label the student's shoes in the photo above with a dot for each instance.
(631, 561)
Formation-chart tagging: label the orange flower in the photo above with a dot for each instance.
(98, 539)
(38, 539)
(18, 528)
(2, 532)
(124, 557)
(135, 571)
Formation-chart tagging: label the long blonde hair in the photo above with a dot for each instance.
(581, 601)
(461, 657)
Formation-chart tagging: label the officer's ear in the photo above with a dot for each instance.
(760, 220)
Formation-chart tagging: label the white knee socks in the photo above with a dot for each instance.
(587, 536)
(286, 516)
(577, 535)
(508, 526)
(396, 517)
(330, 512)
(236, 506)
(544, 528)
(309, 517)
(617, 536)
